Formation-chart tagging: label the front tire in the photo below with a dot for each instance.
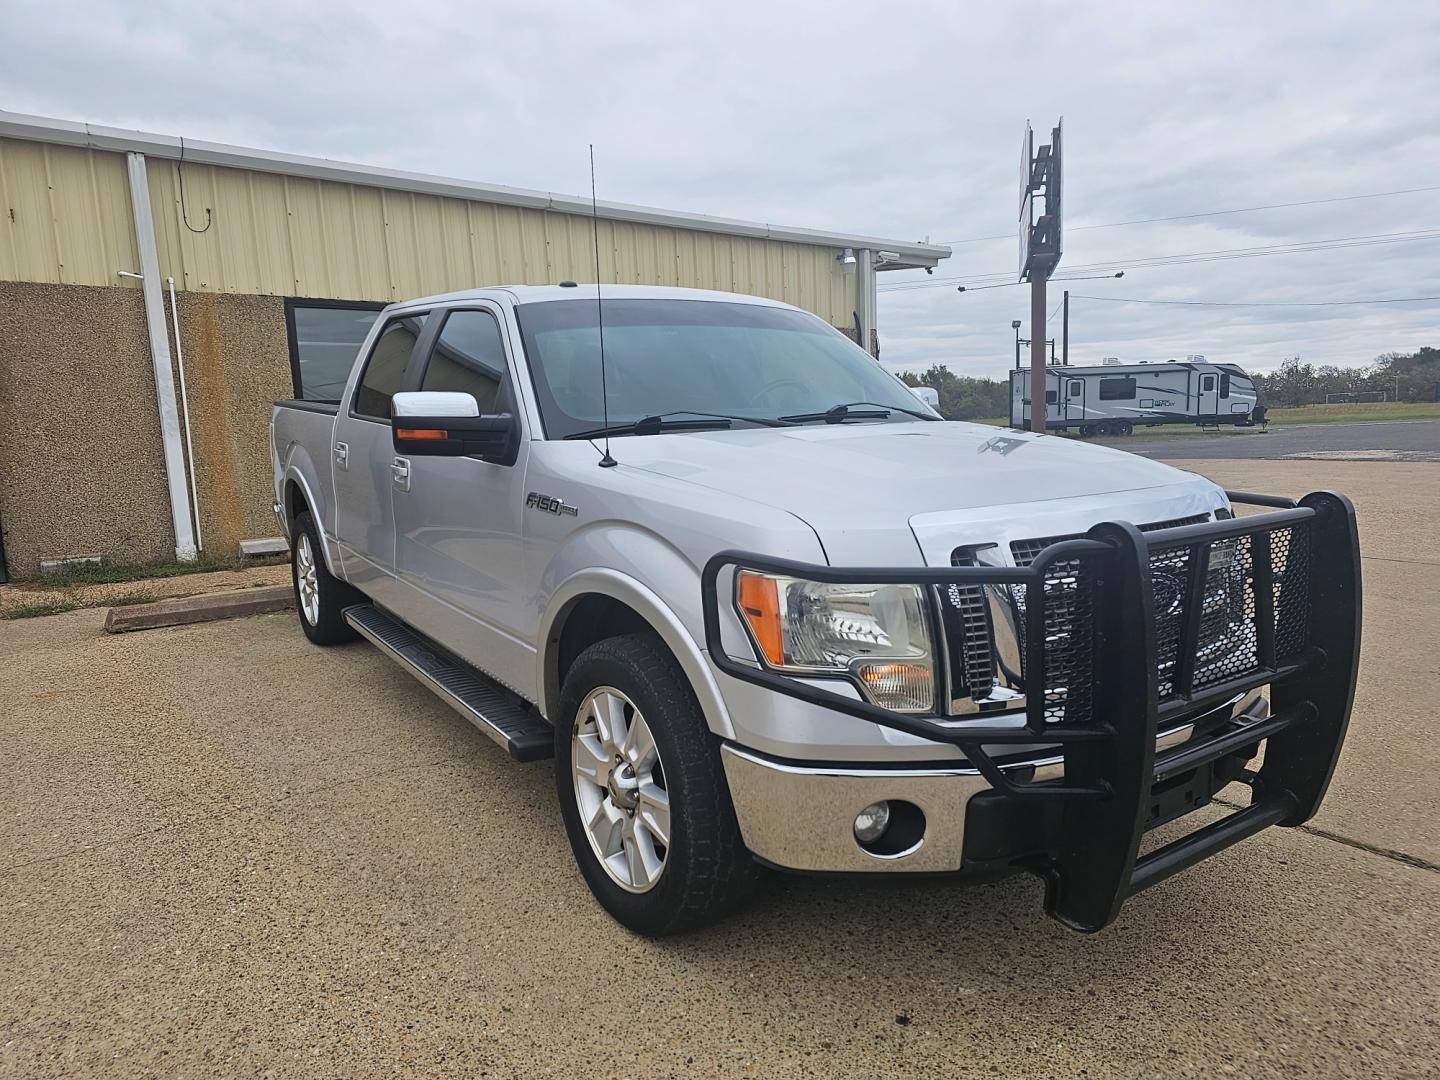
(320, 597)
(643, 794)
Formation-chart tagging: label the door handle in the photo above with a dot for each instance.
(342, 454)
(400, 473)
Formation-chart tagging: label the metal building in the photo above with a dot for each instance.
(272, 266)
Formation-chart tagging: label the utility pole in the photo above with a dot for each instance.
(1065, 333)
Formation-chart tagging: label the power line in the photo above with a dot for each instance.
(1211, 213)
(1201, 256)
(1188, 258)
(1228, 304)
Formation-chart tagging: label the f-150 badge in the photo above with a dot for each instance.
(550, 504)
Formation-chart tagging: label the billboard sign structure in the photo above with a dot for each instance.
(1027, 155)
(1041, 174)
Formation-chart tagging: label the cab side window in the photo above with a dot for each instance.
(469, 357)
(385, 369)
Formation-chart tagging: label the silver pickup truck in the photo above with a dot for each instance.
(767, 610)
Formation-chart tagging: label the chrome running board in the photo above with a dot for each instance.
(474, 696)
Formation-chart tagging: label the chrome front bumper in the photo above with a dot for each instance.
(801, 817)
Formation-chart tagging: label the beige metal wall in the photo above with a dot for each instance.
(64, 215)
(285, 236)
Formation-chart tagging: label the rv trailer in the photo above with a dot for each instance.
(1116, 399)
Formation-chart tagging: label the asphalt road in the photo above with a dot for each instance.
(1370, 440)
(225, 852)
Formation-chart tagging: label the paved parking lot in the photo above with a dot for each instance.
(1369, 440)
(228, 853)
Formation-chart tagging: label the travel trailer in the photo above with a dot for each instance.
(1117, 398)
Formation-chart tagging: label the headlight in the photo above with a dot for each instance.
(876, 634)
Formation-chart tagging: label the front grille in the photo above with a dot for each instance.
(1024, 552)
(1193, 652)
(974, 666)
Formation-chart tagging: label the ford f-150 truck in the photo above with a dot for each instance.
(766, 609)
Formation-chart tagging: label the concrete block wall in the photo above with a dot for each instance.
(81, 463)
(80, 456)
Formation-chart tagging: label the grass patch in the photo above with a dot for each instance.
(33, 611)
(129, 599)
(106, 572)
(1351, 412)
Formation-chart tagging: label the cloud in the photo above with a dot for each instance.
(902, 121)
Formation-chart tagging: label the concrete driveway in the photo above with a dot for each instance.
(1368, 440)
(226, 853)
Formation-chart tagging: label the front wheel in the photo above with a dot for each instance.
(320, 597)
(643, 794)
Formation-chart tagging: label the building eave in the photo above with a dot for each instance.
(908, 255)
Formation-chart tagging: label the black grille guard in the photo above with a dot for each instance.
(1309, 657)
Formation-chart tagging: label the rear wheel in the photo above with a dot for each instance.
(1124, 427)
(1105, 428)
(320, 597)
(643, 794)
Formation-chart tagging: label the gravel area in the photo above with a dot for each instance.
(228, 853)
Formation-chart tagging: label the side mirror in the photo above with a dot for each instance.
(433, 423)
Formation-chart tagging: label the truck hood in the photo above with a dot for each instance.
(862, 487)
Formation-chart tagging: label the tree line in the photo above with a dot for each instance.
(1415, 376)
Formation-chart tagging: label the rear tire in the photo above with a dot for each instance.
(320, 597)
(620, 794)
(1104, 428)
(1124, 427)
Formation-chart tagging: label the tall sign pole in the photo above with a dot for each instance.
(1040, 248)
(1037, 352)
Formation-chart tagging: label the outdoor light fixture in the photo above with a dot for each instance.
(847, 259)
(884, 257)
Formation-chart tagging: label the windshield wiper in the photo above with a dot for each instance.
(653, 425)
(849, 411)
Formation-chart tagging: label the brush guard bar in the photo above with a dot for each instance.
(1137, 673)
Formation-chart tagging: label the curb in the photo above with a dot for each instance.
(208, 607)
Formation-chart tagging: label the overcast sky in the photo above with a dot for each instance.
(898, 120)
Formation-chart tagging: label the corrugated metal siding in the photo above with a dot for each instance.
(288, 236)
(64, 215)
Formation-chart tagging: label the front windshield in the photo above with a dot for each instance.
(687, 356)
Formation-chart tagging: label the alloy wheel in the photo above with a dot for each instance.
(620, 789)
(307, 580)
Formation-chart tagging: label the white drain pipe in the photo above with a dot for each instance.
(160, 358)
(185, 411)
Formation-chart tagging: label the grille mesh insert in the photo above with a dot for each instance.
(1215, 645)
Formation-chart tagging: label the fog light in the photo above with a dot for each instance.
(871, 823)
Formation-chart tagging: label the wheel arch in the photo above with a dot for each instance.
(594, 605)
(298, 496)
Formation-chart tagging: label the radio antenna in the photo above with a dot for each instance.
(606, 461)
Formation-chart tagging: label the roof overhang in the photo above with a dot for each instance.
(906, 256)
